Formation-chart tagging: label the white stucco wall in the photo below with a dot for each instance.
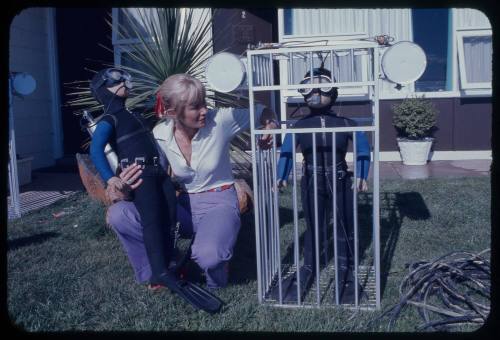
(33, 116)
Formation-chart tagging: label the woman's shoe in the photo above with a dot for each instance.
(154, 288)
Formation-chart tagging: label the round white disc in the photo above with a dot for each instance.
(23, 83)
(225, 72)
(404, 62)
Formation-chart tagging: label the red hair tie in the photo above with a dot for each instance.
(159, 107)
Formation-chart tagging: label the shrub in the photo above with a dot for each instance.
(414, 118)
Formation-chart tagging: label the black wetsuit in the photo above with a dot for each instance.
(345, 232)
(155, 198)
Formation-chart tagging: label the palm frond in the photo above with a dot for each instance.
(169, 41)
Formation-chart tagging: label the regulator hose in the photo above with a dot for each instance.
(449, 291)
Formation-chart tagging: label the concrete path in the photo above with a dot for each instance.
(463, 168)
(46, 188)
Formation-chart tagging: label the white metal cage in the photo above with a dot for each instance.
(278, 244)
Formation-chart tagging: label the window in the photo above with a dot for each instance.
(287, 14)
(126, 21)
(122, 57)
(430, 31)
(475, 58)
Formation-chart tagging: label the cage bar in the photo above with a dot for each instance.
(274, 239)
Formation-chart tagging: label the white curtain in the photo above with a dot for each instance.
(470, 18)
(395, 22)
(477, 53)
(328, 21)
(341, 66)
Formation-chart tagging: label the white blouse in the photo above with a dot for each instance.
(210, 161)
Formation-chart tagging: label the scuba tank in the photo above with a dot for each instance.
(108, 151)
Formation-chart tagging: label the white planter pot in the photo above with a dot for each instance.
(415, 152)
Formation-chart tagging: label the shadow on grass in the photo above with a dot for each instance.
(243, 265)
(30, 240)
(286, 216)
(394, 208)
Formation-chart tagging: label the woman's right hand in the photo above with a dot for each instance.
(130, 177)
(115, 190)
(119, 188)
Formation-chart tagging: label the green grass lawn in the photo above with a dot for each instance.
(70, 273)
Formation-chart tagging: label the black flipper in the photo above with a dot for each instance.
(192, 293)
(306, 279)
(347, 293)
(285, 286)
(289, 285)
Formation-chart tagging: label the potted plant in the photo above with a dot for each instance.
(414, 119)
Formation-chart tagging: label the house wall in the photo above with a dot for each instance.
(463, 124)
(82, 46)
(33, 115)
(235, 28)
(472, 123)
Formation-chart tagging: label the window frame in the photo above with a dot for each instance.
(116, 41)
(460, 35)
(124, 45)
(450, 44)
(119, 49)
(115, 13)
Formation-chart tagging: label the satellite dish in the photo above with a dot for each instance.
(23, 83)
(404, 62)
(225, 72)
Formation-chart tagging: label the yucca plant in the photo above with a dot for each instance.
(170, 41)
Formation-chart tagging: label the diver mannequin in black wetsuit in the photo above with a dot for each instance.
(319, 101)
(133, 142)
(155, 197)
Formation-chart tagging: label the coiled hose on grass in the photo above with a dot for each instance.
(449, 291)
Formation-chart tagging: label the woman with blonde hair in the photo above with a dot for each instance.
(196, 142)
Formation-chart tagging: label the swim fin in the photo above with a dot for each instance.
(285, 286)
(194, 294)
(289, 286)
